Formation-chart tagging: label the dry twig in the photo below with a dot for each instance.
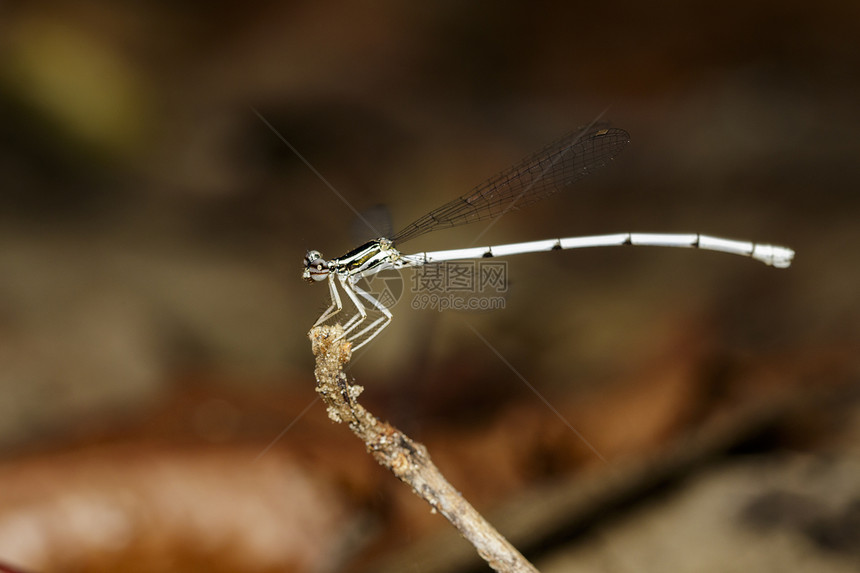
(408, 460)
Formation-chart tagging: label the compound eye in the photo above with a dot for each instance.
(312, 257)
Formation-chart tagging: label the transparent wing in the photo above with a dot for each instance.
(552, 169)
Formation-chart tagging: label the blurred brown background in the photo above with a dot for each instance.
(153, 320)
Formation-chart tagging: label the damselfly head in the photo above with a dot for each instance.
(316, 267)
